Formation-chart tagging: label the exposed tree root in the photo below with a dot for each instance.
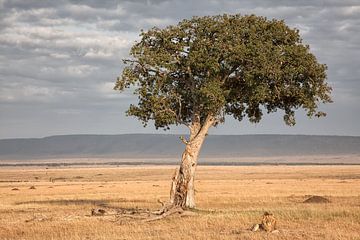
(166, 213)
(144, 215)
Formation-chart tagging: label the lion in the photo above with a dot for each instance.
(268, 223)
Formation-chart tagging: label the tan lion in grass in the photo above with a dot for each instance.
(268, 223)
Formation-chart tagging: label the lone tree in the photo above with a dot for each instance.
(202, 69)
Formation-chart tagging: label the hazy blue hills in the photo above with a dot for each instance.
(169, 146)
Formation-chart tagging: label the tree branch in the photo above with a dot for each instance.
(227, 75)
(178, 120)
(184, 140)
(146, 69)
(209, 121)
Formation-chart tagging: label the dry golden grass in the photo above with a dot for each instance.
(230, 200)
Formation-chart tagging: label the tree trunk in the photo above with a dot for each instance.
(182, 191)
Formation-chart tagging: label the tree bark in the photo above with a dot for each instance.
(182, 191)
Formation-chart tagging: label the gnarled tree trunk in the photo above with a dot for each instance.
(182, 191)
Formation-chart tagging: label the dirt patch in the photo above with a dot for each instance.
(78, 177)
(57, 179)
(317, 199)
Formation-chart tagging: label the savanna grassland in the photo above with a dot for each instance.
(229, 200)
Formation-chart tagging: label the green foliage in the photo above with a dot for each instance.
(223, 65)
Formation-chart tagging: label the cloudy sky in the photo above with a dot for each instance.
(59, 61)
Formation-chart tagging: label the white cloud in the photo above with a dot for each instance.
(59, 55)
(20, 93)
(304, 29)
(106, 90)
(107, 87)
(34, 91)
(352, 10)
(86, 12)
(159, 21)
(101, 54)
(80, 70)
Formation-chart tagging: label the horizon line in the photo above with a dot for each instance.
(178, 134)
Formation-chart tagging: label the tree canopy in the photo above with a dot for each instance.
(223, 65)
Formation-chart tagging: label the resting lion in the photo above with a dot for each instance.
(268, 223)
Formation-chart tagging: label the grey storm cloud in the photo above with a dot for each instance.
(59, 61)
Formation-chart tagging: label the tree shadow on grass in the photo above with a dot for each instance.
(100, 203)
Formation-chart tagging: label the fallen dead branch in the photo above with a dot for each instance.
(144, 215)
(97, 212)
(165, 213)
(39, 218)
